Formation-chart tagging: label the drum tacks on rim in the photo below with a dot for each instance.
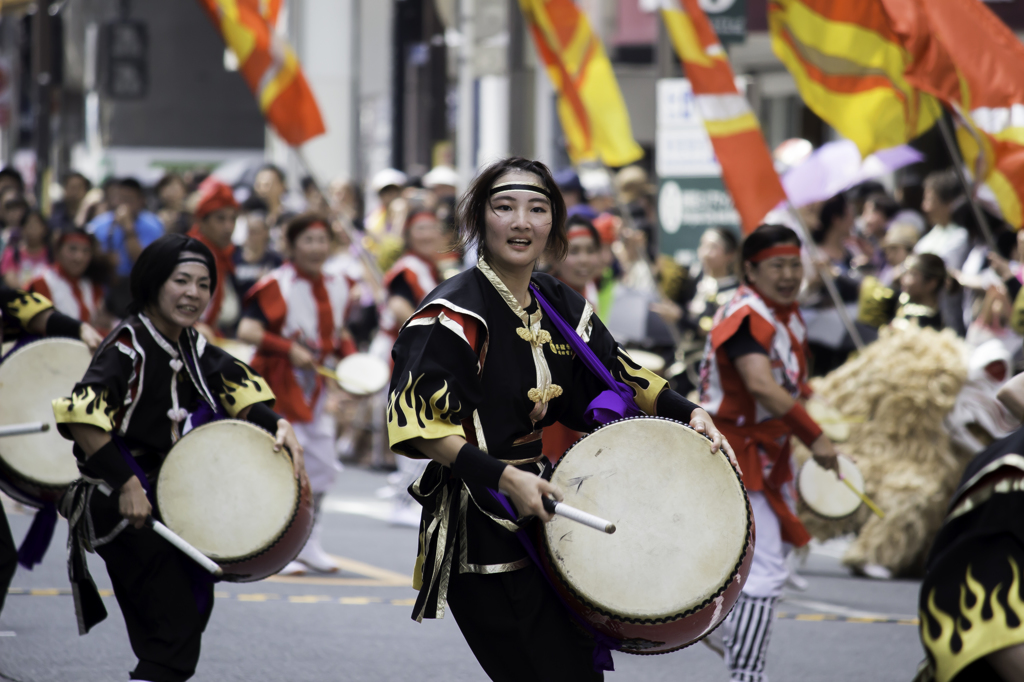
(684, 540)
(225, 491)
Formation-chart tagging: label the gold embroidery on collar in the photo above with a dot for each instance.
(537, 338)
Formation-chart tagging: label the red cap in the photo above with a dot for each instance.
(213, 196)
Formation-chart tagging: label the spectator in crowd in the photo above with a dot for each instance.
(897, 244)
(834, 232)
(946, 239)
(123, 232)
(74, 283)
(716, 281)
(387, 185)
(270, 185)
(879, 209)
(582, 263)
(13, 208)
(921, 284)
(171, 193)
(346, 199)
(94, 204)
(311, 193)
(569, 185)
(64, 213)
(27, 254)
(255, 258)
(215, 213)
(11, 178)
(443, 182)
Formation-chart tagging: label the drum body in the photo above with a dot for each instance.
(227, 493)
(36, 468)
(824, 494)
(684, 541)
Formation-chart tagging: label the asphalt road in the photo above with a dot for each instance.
(356, 625)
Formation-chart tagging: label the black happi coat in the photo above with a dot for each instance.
(472, 363)
(17, 308)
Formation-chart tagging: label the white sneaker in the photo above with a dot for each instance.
(797, 581)
(314, 556)
(877, 572)
(294, 568)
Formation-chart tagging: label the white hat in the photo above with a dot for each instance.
(386, 178)
(441, 175)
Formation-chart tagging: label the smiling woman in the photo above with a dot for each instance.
(480, 371)
(151, 380)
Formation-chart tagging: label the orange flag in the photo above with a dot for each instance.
(268, 65)
(965, 56)
(747, 168)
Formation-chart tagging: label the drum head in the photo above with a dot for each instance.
(224, 490)
(362, 374)
(30, 379)
(681, 515)
(824, 494)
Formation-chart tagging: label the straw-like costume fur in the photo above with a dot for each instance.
(896, 393)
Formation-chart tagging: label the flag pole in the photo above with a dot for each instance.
(979, 215)
(375, 277)
(827, 278)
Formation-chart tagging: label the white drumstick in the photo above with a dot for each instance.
(22, 429)
(578, 515)
(190, 551)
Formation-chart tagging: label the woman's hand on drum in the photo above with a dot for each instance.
(286, 438)
(824, 453)
(90, 337)
(700, 421)
(133, 503)
(527, 491)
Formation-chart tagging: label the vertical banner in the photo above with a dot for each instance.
(691, 195)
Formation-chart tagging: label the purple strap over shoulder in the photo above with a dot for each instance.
(615, 403)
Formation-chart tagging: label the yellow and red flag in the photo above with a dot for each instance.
(269, 65)
(849, 66)
(964, 55)
(747, 168)
(590, 105)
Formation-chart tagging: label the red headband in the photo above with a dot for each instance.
(773, 251)
(578, 231)
(76, 236)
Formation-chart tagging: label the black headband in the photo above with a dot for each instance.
(192, 258)
(514, 186)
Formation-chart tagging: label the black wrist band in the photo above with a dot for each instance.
(674, 406)
(59, 324)
(473, 465)
(262, 416)
(108, 464)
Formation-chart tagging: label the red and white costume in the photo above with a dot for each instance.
(421, 276)
(75, 297)
(761, 441)
(310, 311)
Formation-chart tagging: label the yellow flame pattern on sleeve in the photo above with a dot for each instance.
(27, 305)
(978, 636)
(250, 389)
(85, 406)
(647, 385)
(411, 415)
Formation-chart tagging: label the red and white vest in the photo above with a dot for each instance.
(77, 298)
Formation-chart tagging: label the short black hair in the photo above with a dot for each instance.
(833, 208)
(884, 204)
(945, 184)
(307, 183)
(764, 237)
(13, 174)
(157, 262)
(132, 184)
(75, 174)
(277, 171)
(254, 205)
(731, 243)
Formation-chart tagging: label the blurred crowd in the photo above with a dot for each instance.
(916, 255)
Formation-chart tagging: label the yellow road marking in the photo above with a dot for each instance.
(256, 597)
(308, 598)
(373, 576)
(359, 600)
(403, 602)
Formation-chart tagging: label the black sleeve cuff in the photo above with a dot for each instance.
(675, 406)
(473, 465)
(59, 324)
(263, 417)
(108, 464)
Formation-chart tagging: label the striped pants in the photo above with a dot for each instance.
(745, 634)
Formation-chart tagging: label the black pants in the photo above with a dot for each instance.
(518, 629)
(153, 585)
(8, 556)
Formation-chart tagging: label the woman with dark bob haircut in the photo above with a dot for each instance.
(480, 370)
(153, 378)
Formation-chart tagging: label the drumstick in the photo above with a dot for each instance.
(578, 515)
(863, 498)
(326, 372)
(22, 429)
(190, 551)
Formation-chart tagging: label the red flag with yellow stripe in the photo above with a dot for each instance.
(590, 106)
(849, 66)
(964, 55)
(747, 168)
(269, 65)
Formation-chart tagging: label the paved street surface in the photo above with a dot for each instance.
(356, 626)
